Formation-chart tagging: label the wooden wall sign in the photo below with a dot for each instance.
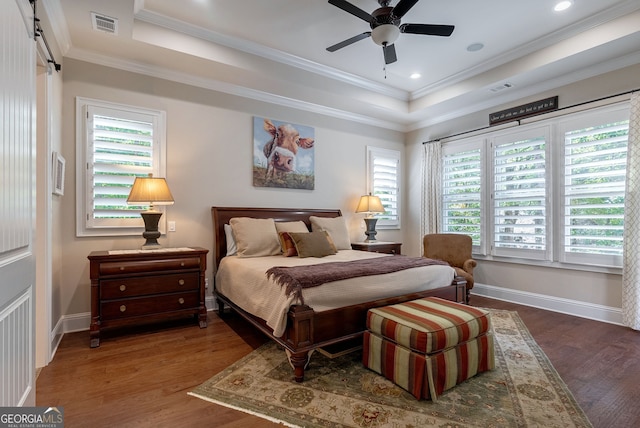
(525, 110)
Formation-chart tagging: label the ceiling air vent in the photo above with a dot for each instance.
(501, 87)
(104, 23)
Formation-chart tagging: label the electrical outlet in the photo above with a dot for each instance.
(172, 226)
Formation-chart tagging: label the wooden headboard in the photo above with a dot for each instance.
(222, 215)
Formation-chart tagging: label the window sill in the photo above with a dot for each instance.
(553, 265)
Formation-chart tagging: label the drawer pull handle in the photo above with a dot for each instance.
(121, 267)
(123, 308)
(181, 300)
(181, 281)
(123, 287)
(182, 264)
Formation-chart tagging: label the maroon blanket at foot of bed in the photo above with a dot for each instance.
(298, 277)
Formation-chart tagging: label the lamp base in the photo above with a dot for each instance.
(371, 229)
(151, 232)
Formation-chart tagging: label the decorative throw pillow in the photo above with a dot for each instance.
(287, 244)
(337, 228)
(291, 226)
(232, 249)
(313, 244)
(255, 237)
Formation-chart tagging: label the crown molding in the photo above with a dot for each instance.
(228, 88)
(54, 12)
(268, 53)
(518, 94)
(433, 119)
(607, 15)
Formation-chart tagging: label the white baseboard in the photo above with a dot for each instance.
(577, 308)
(81, 322)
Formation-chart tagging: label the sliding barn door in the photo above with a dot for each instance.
(17, 204)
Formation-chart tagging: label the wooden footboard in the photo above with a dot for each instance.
(307, 330)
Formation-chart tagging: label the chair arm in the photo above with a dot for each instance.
(468, 266)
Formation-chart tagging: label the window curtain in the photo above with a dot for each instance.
(631, 236)
(431, 189)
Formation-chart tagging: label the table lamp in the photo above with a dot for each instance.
(150, 191)
(370, 204)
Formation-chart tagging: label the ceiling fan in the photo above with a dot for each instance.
(386, 27)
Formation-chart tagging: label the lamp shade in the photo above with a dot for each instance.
(150, 190)
(370, 204)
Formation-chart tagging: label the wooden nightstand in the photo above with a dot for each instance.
(131, 287)
(378, 247)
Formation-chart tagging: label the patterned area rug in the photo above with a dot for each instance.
(524, 390)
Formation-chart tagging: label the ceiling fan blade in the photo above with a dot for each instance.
(427, 29)
(353, 10)
(403, 7)
(389, 54)
(347, 42)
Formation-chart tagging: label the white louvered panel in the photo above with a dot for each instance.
(17, 83)
(16, 354)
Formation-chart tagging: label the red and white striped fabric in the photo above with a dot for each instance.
(429, 345)
(447, 324)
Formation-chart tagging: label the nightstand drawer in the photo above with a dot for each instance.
(129, 267)
(153, 284)
(115, 309)
(135, 287)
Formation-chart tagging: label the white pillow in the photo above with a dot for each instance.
(337, 229)
(291, 226)
(255, 237)
(232, 249)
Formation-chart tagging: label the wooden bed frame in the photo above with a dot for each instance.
(306, 329)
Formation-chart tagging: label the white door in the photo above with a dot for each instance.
(17, 204)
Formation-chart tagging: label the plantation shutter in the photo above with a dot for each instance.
(122, 150)
(520, 195)
(594, 187)
(121, 143)
(462, 194)
(384, 182)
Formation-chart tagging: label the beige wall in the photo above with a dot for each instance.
(589, 287)
(209, 160)
(209, 137)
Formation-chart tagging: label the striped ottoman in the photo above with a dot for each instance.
(428, 345)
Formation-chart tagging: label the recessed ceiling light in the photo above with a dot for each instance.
(563, 5)
(415, 75)
(474, 47)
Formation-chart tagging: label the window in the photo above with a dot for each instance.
(383, 172)
(119, 143)
(520, 194)
(551, 191)
(462, 191)
(595, 158)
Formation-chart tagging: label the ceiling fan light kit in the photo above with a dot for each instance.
(385, 26)
(385, 34)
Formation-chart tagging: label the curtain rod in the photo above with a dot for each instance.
(517, 122)
(38, 32)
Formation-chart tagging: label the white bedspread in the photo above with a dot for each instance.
(243, 280)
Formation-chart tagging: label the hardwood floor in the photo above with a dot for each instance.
(141, 378)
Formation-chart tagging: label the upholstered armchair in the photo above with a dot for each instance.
(454, 249)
